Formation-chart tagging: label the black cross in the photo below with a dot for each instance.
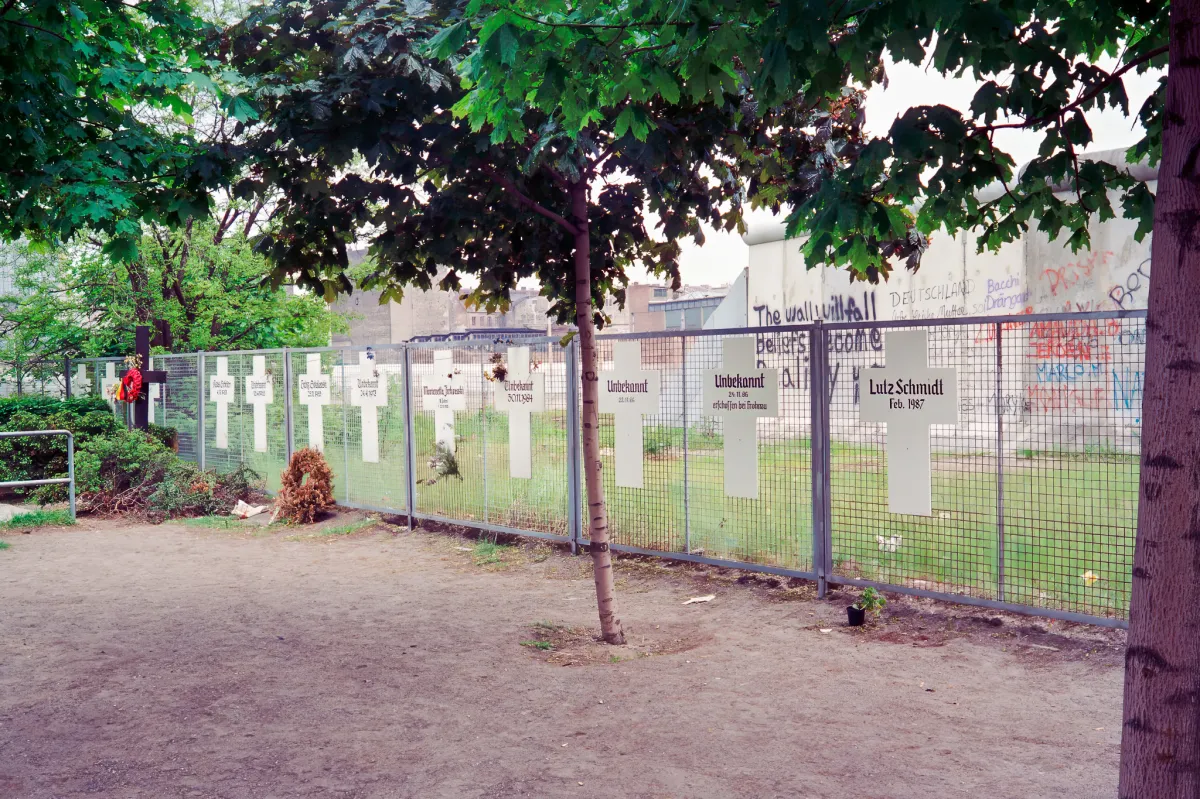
(141, 407)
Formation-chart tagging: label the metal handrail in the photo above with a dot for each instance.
(69, 480)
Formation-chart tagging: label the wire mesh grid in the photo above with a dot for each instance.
(1072, 465)
(370, 467)
(683, 505)
(1034, 488)
(245, 418)
(955, 550)
(98, 377)
(176, 402)
(472, 475)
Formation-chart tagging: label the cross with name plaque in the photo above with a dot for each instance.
(739, 393)
(141, 348)
(628, 392)
(909, 397)
(444, 392)
(520, 394)
(314, 394)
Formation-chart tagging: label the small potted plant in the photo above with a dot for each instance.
(869, 601)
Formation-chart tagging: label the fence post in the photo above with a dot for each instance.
(345, 425)
(687, 498)
(410, 440)
(289, 443)
(999, 463)
(200, 410)
(574, 519)
(819, 453)
(67, 374)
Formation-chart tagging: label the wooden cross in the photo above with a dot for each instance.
(141, 407)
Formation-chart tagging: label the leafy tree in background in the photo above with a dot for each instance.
(203, 282)
(363, 136)
(85, 86)
(1041, 65)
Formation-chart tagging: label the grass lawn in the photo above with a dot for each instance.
(1066, 540)
(1064, 515)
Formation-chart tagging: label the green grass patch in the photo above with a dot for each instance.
(346, 529)
(544, 646)
(216, 522)
(4, 545)
(39, 518)
(486, 553)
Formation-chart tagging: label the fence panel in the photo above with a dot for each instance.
(176, 403)
(485, 490)
(683, 506)
(1034, 487)
(236, 432)
(373, 456)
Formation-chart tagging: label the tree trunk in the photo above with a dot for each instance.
(1160, 746)
(610, 625)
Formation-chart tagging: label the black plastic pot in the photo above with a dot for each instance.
(856, 616)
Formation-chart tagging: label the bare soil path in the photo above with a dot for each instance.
(170, 661)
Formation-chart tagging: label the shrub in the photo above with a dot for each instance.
(307, 488)
(167, 436)
(43, 457)
(187, 491)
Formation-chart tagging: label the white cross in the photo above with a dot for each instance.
(909, 396)
(739, 392)
(368, 390)
(314, 393)
(444, 393)
(221, 391)
(81, 381)
(628, 393)
(109, 382)
(520, 394)
(260, 392)
(153, 395)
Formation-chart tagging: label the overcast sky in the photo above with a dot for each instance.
(724, 255)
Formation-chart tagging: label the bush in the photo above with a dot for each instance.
(307, 487)
(188, 491)
(44, 457)
(167, 436)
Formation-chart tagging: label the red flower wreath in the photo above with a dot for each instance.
(131, 386)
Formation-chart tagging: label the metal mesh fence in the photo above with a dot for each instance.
(98, 377)
(177, 402)
(1034, 488)
(244, 415)
(510, 468)
(1032, 479)
(683, 505)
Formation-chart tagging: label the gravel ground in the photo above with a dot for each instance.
(179, 661)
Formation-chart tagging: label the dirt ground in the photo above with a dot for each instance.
(177, 661)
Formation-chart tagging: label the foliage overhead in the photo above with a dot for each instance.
(203, 280)
(85, 86)
(1037, 62)
(360, 133)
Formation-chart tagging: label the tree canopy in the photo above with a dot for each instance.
(1038, 63)
(203, 282)
(85, 87)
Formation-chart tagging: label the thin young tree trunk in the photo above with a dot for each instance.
(610, 625)
(1160, 745)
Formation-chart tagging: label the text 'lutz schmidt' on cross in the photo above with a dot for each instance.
(909, 396)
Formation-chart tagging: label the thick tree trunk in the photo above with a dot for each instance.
(610, 625)
(1160, 746)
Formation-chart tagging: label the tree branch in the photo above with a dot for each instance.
(529, 203)
(1081, 99)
